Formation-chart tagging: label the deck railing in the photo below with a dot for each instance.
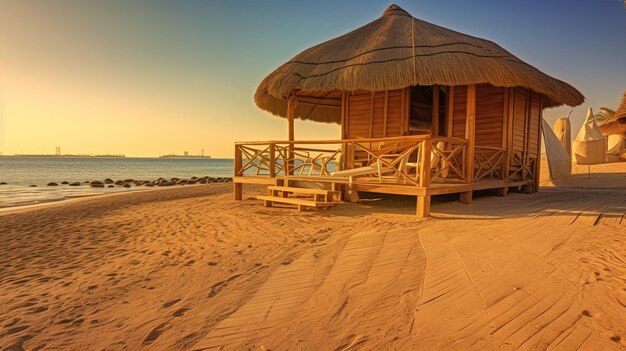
(407, 160)
(489, 162)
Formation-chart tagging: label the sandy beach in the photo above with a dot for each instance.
(189, 269)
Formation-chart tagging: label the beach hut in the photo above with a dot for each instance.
(423, 110)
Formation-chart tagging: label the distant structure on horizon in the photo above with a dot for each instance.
(185, 155)
(57, 153)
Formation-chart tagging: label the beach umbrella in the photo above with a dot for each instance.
(589, 147)
(559, 160)
(563, 132)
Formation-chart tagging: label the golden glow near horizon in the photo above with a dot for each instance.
(146, 78)
(88, 87)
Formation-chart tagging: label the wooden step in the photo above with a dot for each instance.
(328, 194)
(268, 200)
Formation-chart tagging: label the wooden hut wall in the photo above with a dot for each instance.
(526, 110)
(489, 115)
(373, 115)
(505, 117)
(534, 123)
(520, 102)
(459, 108)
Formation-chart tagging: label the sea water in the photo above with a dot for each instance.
(21, 172)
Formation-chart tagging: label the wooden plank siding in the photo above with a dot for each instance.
(533, 132)
(458, 115)
(394, 114)
(375, 115)
(489, 110)
(520, 96)
(358, 116)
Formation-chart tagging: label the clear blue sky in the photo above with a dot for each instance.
(152, 77)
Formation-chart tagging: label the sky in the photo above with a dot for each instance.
(150, 77)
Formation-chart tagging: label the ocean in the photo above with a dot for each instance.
(21, 172)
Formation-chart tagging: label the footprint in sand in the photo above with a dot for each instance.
(17, 329)
(586, 313)
(180, 312)
(154, 334)
(217, 287)
(171, 303)
(39, 309)
(12, 323)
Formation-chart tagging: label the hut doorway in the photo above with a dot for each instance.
(428, 110)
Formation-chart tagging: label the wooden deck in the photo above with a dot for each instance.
(418, 165)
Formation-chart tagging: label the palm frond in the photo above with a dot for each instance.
(604, 114)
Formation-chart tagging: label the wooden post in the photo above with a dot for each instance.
(505, 143)
(509, 133)
(272, 160)
(344, 107)
(435, 129)
(386, 108)
(371, 131)
(423, 206)
(470, 135)
(423, 201)
(538, 159)
(237, 187)
(450, 115)
(402, 110)
(425, 163)
(291, 112)
(407, 111)
(527, 114)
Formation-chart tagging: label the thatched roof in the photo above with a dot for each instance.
(616, 124)
(393, 52)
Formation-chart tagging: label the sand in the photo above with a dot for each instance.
(190, 268)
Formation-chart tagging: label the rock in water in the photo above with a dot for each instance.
(108, 181)
(65, 182)
(126, 185)
(3, 183)
(52, 184)
(75, 184)
(33, 186)
(119, 182)
(110, 186)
